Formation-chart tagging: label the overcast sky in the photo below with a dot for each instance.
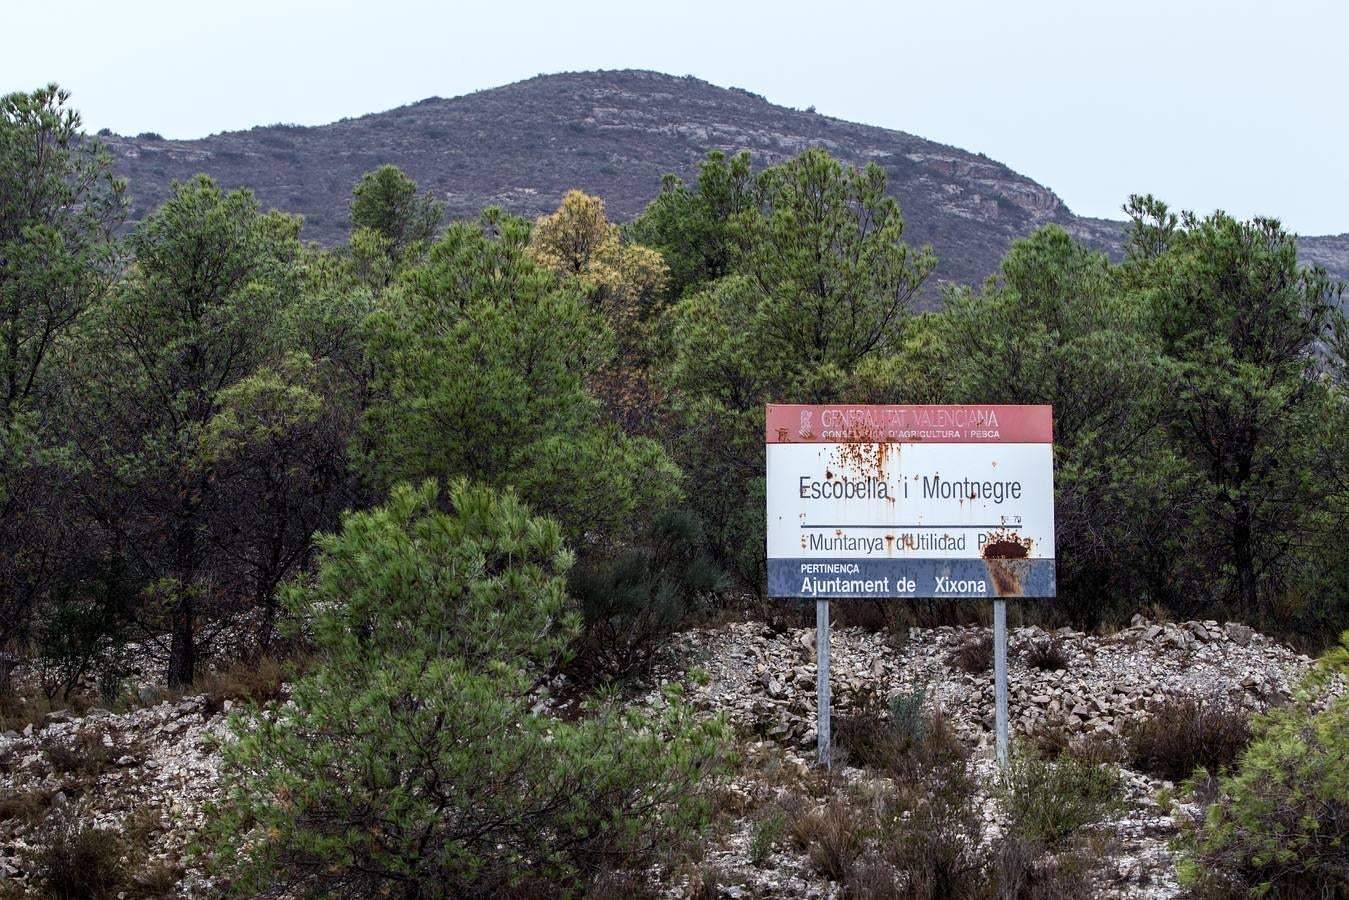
(1239, 105)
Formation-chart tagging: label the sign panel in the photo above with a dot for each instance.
(910, 501)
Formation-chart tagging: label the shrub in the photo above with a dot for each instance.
(1046, 655)
(1049, 739)
(1019, 869)
(906, 615)
(412, 761)
(1281, 820)
(259, 680)
(973, 656)
(833, 836)
(906, 715)
(17, 712)
(864, 736)
(79, 863)
(1096, 749)
(84, 754)
(28, 807)
(629, 605)
(765, 834)
(873, 879)
(918, 835)
(869, 615)
(933, 830)
(708, 883)
(81, 637)
(926, 822)
(158, 879)
(1048, 800)
(1185, 734)
(906, 744)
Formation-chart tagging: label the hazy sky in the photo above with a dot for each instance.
(1238, 105)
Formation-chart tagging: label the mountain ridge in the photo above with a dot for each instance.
(615, 134)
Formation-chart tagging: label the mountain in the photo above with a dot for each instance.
(614, 134)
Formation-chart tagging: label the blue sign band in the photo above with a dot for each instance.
(911, 578)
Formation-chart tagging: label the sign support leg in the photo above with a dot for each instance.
(1000, 676)
(822, 679)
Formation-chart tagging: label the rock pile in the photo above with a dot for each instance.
(764, 681)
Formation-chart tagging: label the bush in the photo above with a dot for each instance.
(261, 680)
(906, 744)
(631, 604)
(1018, 869)
(765, 835)
(933, 830)
(1046, 655)
(906, 715)
(28, 807)
(926, 823)
(77, 638)
(833, 836)
(1096, 749)
(84, 754)
(869, 615)
(974, 656)
(412, 761)
(1049, 739)
(79, 863)
(1186, 734)
(1048, 800)
(1281, 820)
(158, 879)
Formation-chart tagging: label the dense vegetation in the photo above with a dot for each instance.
(183, 411)
(413, 762)
(1280, 820)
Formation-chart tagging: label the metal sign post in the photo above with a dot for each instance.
(823, 740)
(1000, 677)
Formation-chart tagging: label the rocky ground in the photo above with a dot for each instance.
(149, 772)
(764, 681)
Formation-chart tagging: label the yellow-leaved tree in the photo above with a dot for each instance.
(624, 281)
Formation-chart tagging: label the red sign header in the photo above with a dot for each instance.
(964, 424)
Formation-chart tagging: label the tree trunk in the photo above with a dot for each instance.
(182, 653)
(1243, 553)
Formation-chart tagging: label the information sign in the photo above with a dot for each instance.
(910, 501)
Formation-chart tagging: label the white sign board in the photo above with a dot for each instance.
(910, 501)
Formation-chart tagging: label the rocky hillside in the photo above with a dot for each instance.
(613, 134)
(148, 774)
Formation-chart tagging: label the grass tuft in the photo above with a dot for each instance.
(1186, 734)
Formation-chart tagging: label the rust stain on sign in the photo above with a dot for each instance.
(868, 460)
(1007, 557)
(1006, 545)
